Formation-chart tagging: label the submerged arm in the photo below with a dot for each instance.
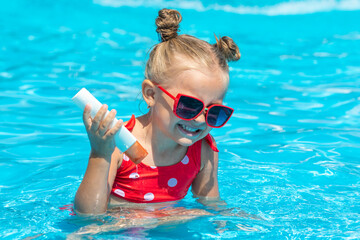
(205, 187)
(93, 193)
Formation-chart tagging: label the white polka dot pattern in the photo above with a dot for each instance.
(185, 160)
(119, 192)
(149, 196)
(126, 158)
(172, 182)
(134, 175)
(148, 183)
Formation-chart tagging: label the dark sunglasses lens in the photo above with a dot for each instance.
(188, 107)
(218, 115)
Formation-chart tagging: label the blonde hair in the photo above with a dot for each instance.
(173, 46)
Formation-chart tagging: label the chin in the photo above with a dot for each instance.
(186, 142)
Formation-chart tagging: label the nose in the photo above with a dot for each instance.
(201, 118)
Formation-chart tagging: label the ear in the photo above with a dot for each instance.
(148, 92)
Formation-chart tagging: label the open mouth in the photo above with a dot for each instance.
(190, 131)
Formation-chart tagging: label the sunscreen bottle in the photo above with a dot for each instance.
(124, 140)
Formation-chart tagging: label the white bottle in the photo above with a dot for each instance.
(124, 140)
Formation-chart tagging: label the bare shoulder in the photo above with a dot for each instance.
(207, 154)
(206, 182)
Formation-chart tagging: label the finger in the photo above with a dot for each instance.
(98, 118)
(106, 122)
(115, 129)
(87, 117)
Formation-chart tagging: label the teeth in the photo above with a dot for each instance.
(188, 128)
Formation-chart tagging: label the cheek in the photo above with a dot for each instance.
(163, 114)
(208, 129)
(205, 132)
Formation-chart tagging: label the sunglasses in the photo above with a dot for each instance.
(189, 108)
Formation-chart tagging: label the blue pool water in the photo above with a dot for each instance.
(289, 161)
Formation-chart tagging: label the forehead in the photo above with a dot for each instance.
(208, 85)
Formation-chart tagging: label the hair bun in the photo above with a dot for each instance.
(228, 48)
(168, 24)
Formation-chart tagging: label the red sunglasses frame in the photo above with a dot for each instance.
(176, 101)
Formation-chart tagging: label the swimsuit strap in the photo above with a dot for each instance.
(131, 123)
(210, 141)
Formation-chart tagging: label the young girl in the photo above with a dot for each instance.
(186, 81)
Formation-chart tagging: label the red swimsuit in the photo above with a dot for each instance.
(142, 183)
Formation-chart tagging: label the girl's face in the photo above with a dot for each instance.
(209, 86)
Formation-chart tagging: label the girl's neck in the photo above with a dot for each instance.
(164, 151)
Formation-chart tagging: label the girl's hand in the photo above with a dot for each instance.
(99, 131)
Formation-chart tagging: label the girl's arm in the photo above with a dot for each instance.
(205, 184)
(94, 191)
